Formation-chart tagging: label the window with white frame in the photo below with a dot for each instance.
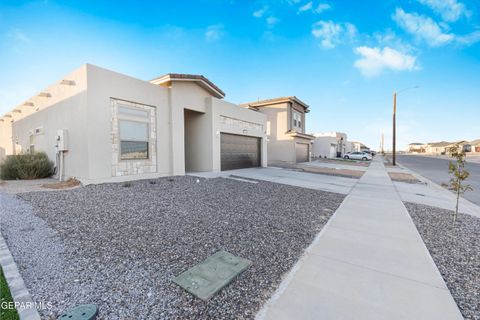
(297, 120)
(133, 124)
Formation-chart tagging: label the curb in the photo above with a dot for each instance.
(16, 285)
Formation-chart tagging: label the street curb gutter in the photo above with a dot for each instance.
(16, 285)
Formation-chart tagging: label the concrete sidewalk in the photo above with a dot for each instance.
(369, 262)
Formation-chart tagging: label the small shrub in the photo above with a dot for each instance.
(26, 166)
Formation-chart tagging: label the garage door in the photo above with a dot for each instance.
(301, 150)
(239, 151)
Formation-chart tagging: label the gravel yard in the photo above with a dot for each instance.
(120, 246)
(455, 250)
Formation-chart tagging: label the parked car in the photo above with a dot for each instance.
(358, 156)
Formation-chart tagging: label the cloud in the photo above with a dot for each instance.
(214, 32)
(449, 10)
(306, 7)
(260, 12)
(322, 7)
(373, 61)
(422, 27)
(332, 34)
(388, 38)
(271, 21)
(18, 36)
(470, 38)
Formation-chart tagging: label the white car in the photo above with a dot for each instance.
(358, 156)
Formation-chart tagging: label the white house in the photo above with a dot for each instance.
(107, 126)
(330, 145)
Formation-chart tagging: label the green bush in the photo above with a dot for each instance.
(26, 166)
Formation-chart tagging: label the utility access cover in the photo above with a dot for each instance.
(207, 278)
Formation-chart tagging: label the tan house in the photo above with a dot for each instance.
(475, 145)
(106, 126)
(287, 140)
(417, 147)
(437, 147)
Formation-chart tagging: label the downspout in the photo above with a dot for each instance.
(170, 109)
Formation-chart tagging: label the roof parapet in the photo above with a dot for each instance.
(200, 79)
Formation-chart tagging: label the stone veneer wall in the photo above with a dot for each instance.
(228, 122)
(132, 167)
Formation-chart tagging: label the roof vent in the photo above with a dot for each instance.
(28, 104)
(44, 94)
(17, 111)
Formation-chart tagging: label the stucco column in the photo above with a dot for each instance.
(177, 123)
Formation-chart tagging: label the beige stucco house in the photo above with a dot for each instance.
(107, 126)
(330, 145)
(417, 147)
(437, 147)
(287, 140)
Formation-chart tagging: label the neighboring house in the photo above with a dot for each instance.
(464, 146)
(437, 147)
(348, 147)
(417, 147)
(475, 145)
(287, 140)
(330, 145)
(111, 125)
(359, 147)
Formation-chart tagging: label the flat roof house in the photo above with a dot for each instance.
(287, 140)
(330, 145)
(111, 126)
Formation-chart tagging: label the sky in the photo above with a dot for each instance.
(343, 58)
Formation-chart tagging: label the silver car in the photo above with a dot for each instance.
(358, 156)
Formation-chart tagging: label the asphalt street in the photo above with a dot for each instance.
(436, 169)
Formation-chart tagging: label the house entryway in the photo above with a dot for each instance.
(198, 153)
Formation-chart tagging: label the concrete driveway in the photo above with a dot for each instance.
(290, 177)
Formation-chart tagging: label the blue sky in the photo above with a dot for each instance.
(343, 58)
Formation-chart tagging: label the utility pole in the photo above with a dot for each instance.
(382, 145)
(394, 127)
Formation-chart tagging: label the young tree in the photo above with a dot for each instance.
(459, 174)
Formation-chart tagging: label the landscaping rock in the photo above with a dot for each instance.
(121, 247)
(455, 248)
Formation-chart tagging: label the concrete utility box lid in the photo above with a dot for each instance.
(207, 278)
(80, 312)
